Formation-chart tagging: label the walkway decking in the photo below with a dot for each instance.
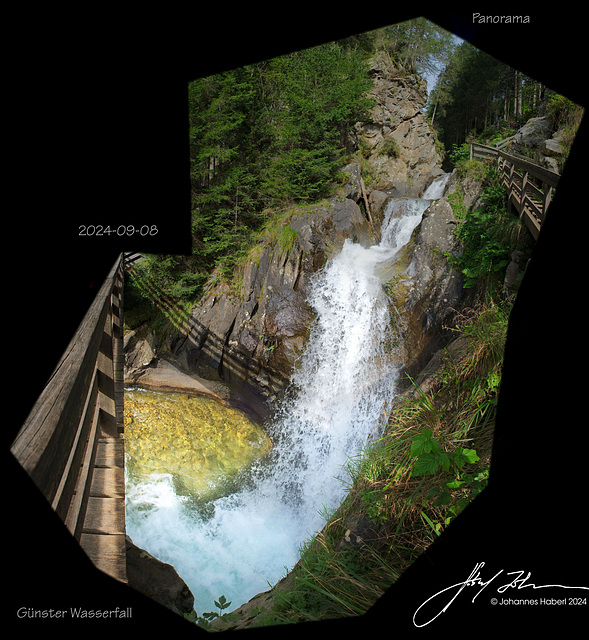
(71, 444)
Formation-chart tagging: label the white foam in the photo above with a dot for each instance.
(243, 543)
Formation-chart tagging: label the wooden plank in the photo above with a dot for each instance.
(105, 515)
(534, 209)
(69, 477)
(528, 198)
(108, 482)
(535, 190)
(483, 150)
(550, 177)
(81, 474)
(107, 553)
(75, 515)
(532, 224)
(504, 143)
(96, 545)
(110, 452)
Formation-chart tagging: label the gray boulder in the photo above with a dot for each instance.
(533, 133)
(157, 580)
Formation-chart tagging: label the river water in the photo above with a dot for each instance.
(238, 538)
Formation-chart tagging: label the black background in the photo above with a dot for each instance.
(98, 118)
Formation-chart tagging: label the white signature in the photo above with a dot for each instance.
(475, 580)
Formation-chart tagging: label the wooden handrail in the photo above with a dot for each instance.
(530, 199)
(80, 405)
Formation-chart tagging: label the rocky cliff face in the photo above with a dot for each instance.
(248, 338)
(398, 142)
(258, 334)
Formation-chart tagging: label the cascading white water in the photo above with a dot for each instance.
(242, 543)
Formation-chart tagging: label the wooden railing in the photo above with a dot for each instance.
(529, 186)
(71, 444)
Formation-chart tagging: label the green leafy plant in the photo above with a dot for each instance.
(221, 604)
(430, 458)
(459, 153)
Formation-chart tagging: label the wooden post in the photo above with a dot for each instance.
(547, 190)
(364, 196)
(511, 167)
(524, 195)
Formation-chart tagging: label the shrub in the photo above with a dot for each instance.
(390, 147)
(489, 233)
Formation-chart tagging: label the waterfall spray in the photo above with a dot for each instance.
(242, 543)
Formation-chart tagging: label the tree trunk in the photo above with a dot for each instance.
(517, 107)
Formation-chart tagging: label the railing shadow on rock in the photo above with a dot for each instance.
(206, 351)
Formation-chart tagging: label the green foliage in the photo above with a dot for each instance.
(560, 108)
(207, 617)
(260, 137)
(417, 44)
(460, 154)
(430, 457)
(176, 276)
(453, 490)
(489, 233)
(328, 583)
(281, 125)
(287, 237)
(567, 118)
(478, 93)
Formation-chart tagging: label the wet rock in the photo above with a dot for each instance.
(348, 222)
(164, 375)
(434, 286)
(157, 580)
(138, 355)
(287, 313)
(352, 188)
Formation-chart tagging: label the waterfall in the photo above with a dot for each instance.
(241, 544)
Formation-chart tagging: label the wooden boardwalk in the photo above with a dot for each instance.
(71, 443)
(103, 532)
(529, 186)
